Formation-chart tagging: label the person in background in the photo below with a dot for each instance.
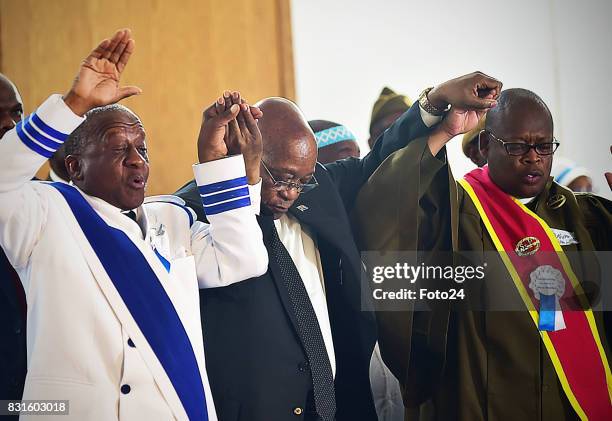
(57, 166)
(13, 307)
(570, 175)
(334, 141)
(470, 144)
(387, 108)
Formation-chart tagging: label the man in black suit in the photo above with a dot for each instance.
(12, 299)
(296, 342)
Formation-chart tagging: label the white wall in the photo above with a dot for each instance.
(347, 50)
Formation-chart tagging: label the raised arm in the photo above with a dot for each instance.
(475, 92)
(409, 205)
(26, 147)
(229, 188)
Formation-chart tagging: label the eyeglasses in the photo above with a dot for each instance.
(521, 148)
(290, 185)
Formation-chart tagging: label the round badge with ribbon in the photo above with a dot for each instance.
(548, 286)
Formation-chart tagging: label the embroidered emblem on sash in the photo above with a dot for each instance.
(527, 246)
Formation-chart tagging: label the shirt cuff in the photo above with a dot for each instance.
(46, 129)
(429, 119)
(255, 193)
(222, 185)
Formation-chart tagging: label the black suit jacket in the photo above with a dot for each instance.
(12, 334)
(255, 360)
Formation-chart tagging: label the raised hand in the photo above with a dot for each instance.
(97, 82)
(229, 127)
(470, 97)
(212, 139)
(475, 91)
(243, 135)
(460, 120)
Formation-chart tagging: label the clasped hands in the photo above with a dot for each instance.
(470, 97)
(229, 127)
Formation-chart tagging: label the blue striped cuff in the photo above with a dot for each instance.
(224, 196)
(39, 137)
(215, 198)
(227, 206)
(222, 185)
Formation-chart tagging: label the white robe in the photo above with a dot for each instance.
(77, 324)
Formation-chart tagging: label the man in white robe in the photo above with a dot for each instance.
(113, 322)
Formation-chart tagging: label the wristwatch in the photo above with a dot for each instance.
(426, 105)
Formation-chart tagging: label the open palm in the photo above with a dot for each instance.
(97, 82)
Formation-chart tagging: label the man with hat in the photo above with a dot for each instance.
(470, 144)
(567, 173)
(334, 141)
(387, 108)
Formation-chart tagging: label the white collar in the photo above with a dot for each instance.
(116, 217)
(526, 200)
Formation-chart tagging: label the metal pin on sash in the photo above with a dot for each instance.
(527, 246)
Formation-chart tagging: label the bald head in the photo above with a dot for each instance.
(11, 105)
(283, 128)
(513, 102)
(6, 83)
(289, 151)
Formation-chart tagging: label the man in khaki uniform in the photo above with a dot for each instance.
(477, 365)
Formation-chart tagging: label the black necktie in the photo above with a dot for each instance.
(308, 331)
(130, 214)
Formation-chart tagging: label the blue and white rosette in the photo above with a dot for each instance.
(548, 287)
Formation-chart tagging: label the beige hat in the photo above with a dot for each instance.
(472, 134)
(388, 102)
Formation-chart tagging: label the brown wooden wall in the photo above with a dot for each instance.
(187, 53)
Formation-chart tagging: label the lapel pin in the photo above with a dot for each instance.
(302, 208)
(556, 201)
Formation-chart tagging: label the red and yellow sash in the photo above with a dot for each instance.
(576, 351)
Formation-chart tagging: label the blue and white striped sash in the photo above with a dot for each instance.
(146, 300)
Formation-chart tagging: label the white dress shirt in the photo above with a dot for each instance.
(301, 246)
